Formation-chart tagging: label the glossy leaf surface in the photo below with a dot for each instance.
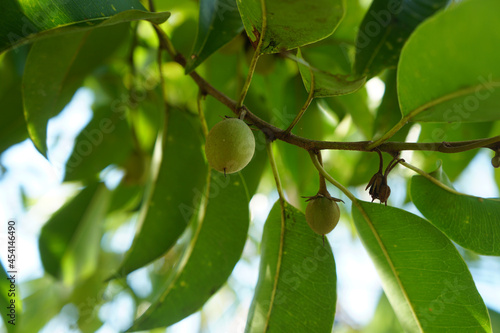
(174, 193)
(326, 84)
(296, 290)
(471, 222)
(25, 21)
(219, 22)
(12, 124)
(434, 88)
(216, 245)
(425, 278)
(55, 69)
(284, 25)
(385, 29)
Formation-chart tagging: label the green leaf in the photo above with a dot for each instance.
(95, 146)
(388, 112)
(26, 21)
(296, 290)
(9, 299)
(495, 320)
(326, 84)
(289, 24)
(126, 197)
(219, 22)
(70, 241)
(425, 278)
(215, 247)
(55, 69)
(385, 29)
(384, 319)
(472, 222)
(12, 124)
(355, 105)
(174, 193)
(453, 164)
(252, 173)
(438, 86)
(47, 295)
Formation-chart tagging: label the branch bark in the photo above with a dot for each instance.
(275, 133)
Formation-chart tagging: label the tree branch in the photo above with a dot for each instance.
(275, 133)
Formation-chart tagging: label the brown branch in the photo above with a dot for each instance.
(275, 133)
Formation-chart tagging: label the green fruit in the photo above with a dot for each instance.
(230, 145)
(322, 215)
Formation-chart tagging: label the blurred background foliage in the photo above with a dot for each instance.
(85, 213)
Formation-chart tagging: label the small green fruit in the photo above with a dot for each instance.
(230, 145)
(322, 215)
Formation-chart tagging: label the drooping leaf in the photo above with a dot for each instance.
(284, 25)
(434, 88)
(326, 84)
(174, 193)
(219, 22)
(26, 21)
(425, 278)
(55, 69)
(70, 241)
(296, 290)
(95, 147)
(215, 247)
(472, 222)
(12, 124)
(385, 29)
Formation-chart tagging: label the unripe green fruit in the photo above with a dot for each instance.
(322, 215)
(230, 145)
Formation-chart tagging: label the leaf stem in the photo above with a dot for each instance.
(282, 233)
(201, 114)
(248, 80)
(325, 174)
(322, 183)
(309, 99)
(255, 58)
(390, 133)
(274, 167)
(429, 177)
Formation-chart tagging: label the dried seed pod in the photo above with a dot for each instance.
(495, 161)
(379, 189)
